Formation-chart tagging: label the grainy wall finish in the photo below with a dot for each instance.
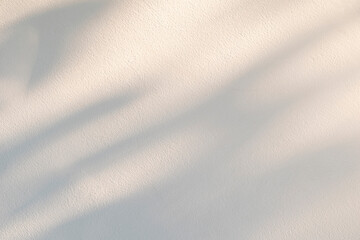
(195, 119)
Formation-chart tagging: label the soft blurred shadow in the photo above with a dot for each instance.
(63, 127)
(195, 198)
(210, 196)
(36, 43)
(210, 188)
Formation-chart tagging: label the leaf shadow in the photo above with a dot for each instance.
(37, 42)
(62, 127)
(184, 206)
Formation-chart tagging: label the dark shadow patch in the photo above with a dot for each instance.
(36, 43)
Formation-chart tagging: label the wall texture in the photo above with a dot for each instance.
(180, 120)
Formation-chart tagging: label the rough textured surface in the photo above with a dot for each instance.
(193, 119)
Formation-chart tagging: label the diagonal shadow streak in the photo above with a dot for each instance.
(64, 126)
(216, 110)
(219, 109)
(312, 173)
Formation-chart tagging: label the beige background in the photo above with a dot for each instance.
(192, 119)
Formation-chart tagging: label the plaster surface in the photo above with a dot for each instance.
(193, 119)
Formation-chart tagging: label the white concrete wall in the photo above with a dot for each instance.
(180, 120)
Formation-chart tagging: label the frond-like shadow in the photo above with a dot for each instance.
(36, 43)
(64, 126)
(185, 205)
